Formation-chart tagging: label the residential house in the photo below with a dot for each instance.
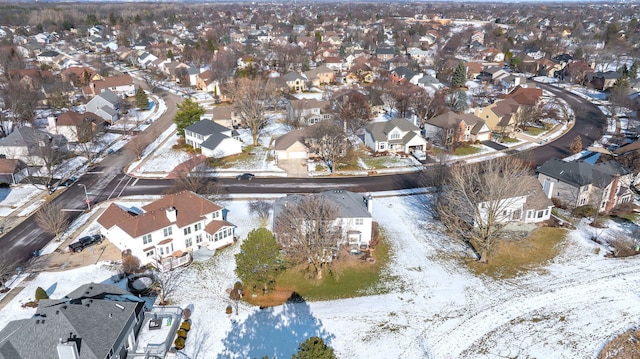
(308, 111)
(223, 115)
(321, 75)
(526, 96)
(385, 53)
(121, 85)
(167, 228)
(94, 321)
(12, 171)
(80, 75)
(401, 74)
(47, 57)
(31, 78)
(146, 59)
(474, 69)
(427, 82)
(213, 139)
(77, 127)
(529, 205)
(603, 80)
(575, 71)
(397, 135)
(500, 116)
(354, 215)
(452, 127)
(206, 82)
(604, 185)
(493, 75)
(335, 63)
(295, 82)
(106, 105)
(32, 146)
(292, 146)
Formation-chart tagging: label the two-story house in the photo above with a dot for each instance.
(397, 135)
(106, 105)
(212, 139)
(77, 127)
(530, 204)
(168, 227)
(32, 146)
(501, 115)
(354, 215)
(295, 82)
(223, 115)
(321, 75)
(307, 111)
(121, 85)
(93, 321)
(451, 127)
(603, 186)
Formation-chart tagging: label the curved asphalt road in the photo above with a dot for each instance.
(108, 180)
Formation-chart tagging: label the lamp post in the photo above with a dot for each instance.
(86, 195)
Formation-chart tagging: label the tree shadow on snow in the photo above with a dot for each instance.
(273, 331)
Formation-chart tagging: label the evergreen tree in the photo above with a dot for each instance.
(459, 76)
(41, 294)
(314, 348)
(576, 145)
(633, 70)
(189, 112)
(459, 101)
(142, 100)
(259, 260)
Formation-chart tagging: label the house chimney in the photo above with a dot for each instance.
(547, 186)
(369, 203)
(51, 123)
(172, 214)
(611, 202)
(67, 350)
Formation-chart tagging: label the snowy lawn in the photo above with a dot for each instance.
(17, 196)
(434, 308)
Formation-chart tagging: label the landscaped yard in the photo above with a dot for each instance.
(534, 131)
(350, 277)
(511, 258)
(466, 151)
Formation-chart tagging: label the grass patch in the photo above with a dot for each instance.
(349, 278)
(247, 156)
(534, 131)
(511, 258)
(506, 139)
(466, 151)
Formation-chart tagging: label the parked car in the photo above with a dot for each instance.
(69, 181)
(245, 176)
(85, 242)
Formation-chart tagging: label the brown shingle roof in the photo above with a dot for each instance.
(216, 225)
(71, 118)
(189, 206)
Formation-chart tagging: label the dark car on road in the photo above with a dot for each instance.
(245, 176)
(85, 242)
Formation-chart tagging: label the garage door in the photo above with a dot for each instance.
(297, 155)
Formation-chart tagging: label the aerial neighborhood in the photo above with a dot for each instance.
(314, 180)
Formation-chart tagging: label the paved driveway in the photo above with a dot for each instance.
(495, 145)
(295, 167)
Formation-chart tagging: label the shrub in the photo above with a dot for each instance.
(179, 343)
(186, 326)
(41, 294)
(130, 263)
(557, 202)
(181, 333)
(584, 211)
(229, 309)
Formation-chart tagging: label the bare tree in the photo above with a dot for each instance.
(167, 282)
(21, 101)
(352, 108)
(7, 268)
(198, 181)
(479, 199)
(328, 140)
(428, 105)
(249, 100)
(261, 208)
(52, 219)
(308, 232)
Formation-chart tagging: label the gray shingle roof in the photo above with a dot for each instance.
(96, 323)
(379, 130)
(206, 127)
(579, 173)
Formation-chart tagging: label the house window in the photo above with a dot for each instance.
(198, 238)
(146, 238)
(395, 136)
(161, 250)
(197, 227)
(188, 242)
(216, 214)
(359, 221)
(382, 146)
(167, 231)
(540, 214)
(529, 214)
(546, 212)
(585, 189)
(516, 214)
(149, 253)
(187, 231)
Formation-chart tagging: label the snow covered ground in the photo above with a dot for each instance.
(434, 308)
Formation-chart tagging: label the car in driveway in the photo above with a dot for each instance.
(85, 242)
(245, 176)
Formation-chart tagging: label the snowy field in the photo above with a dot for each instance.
(434, 309)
